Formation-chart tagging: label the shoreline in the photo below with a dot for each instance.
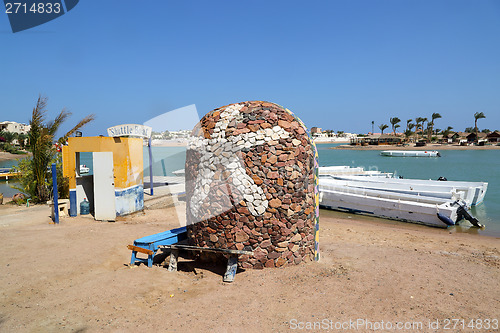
(5, 156)
(321, 142)
(427, 147)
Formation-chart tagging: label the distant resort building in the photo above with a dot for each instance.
(329, 136)
(13, 127)
(473, 138)
(448, 138)
(459, 137)
(167, 135)
(315, 130)
(170, 137)
(493, 137)
(377, 139)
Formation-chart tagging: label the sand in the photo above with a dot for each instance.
(75, 277)
(4, 156)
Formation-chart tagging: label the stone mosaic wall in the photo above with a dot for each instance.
(250, 184)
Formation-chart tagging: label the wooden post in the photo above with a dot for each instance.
(174, 256)
(54, 187)
(150, 167)
(232, 266)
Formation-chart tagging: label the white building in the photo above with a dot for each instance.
(13, 127)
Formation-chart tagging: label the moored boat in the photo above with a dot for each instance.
(84, 168)
(430, 202)
(431, 214)
(394, 190)
(411, 153)
(353, 171)
(472, 192)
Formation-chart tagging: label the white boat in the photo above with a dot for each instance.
(354, 171)
(84, 168)
(411, 153)
(401, 191)
(5, 170)
(471, 192)
(436, 203)
(437, 214)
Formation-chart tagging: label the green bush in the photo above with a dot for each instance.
(27, 181)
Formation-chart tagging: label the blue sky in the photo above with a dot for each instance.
(337, 64)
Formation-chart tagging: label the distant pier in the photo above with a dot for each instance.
(5, 173)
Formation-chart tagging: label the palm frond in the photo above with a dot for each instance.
(78, 126)
(39, 110)
(53, 126)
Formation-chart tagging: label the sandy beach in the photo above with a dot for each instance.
(75, 277)
(4, 156)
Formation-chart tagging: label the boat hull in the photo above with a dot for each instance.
(471, 192)
(406, 211)
(410, 153)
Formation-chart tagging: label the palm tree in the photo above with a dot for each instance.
(21, 138)
(424, 120)
(431, 124)
(383, 127)
(40, 143)
(447, 131)
(8, 137)
(408, 133)
(409, 130)
(477, 115)
(418, 120)
(408, 122)
(394, 122)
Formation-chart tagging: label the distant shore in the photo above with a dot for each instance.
(427, 147)
(4, 156)
(169, 143)
(321, 142)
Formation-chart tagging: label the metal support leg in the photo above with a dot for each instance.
(150, 260)
(133, 258)
(232, 266)
(174, 256)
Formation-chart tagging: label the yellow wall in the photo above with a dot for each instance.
(127, 158)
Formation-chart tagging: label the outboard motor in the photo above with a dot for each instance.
(463, 213)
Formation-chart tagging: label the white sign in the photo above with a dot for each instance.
(130, 130)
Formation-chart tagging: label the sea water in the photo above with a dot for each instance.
(5, 185)
(461, 165)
